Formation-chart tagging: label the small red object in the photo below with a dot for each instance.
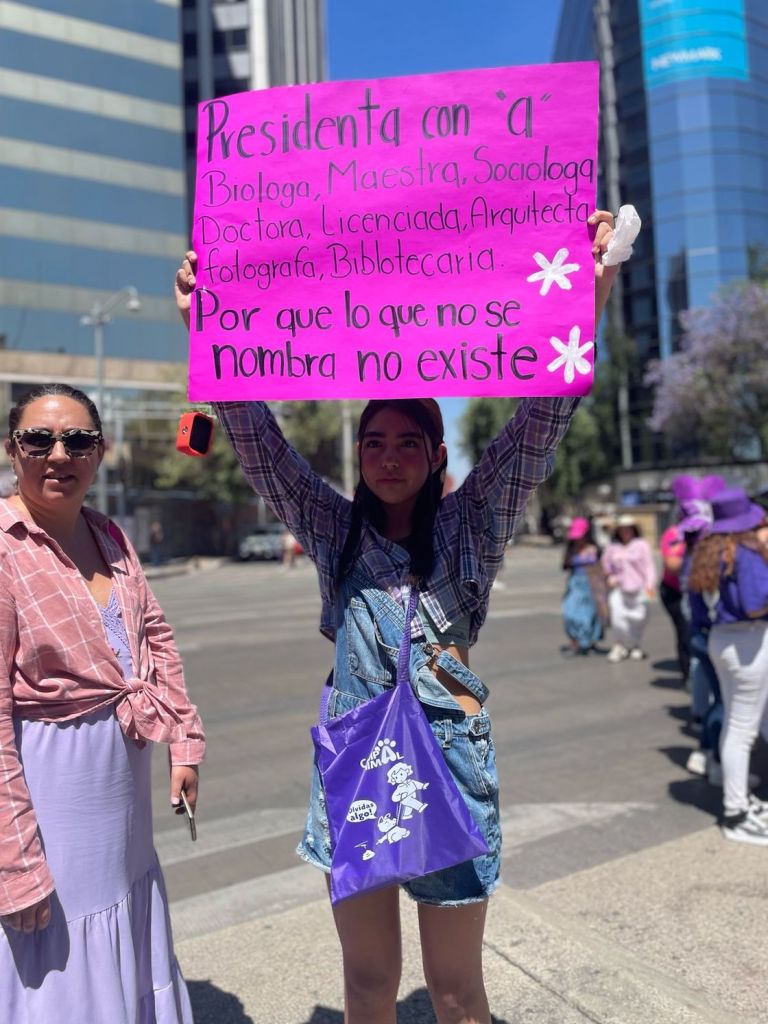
(195, 433)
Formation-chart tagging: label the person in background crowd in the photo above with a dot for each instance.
(90, 680)
(585, 603)
(628, 565)
(730, 573)
(694, 516)
(288, 542)
(672, 548)
(156, 538)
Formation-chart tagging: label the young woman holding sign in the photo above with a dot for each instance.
(400, 528)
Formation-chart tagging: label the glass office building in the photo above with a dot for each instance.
(92, 184)
(690, 96)
(237, 45)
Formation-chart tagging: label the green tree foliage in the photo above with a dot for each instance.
(314, 428)
(580, 457)
(216, 477)
(481, 421)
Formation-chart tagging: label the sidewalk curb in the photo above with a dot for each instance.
(183, 567)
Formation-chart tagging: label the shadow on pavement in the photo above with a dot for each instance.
(416, 1009)
(678, 756)
(212, 1006)
(682, 713)
(668, 682)
(696, 792)
(668, 665)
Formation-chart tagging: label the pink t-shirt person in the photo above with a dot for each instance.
(630, 565)
(672, 545)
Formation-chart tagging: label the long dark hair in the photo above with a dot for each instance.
(425, 413)
(43, 391)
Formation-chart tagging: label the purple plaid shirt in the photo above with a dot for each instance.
(473, 523)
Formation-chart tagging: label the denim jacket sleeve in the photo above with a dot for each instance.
(315, 513)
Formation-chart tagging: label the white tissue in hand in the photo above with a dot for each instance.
(625, 231)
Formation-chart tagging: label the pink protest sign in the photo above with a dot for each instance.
(404, 237)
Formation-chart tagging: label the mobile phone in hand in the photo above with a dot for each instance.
(190, 815)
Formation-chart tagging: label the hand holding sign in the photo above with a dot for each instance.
(398, 236)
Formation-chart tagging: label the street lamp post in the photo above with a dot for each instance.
(99, 315)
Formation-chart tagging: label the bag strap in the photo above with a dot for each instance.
(403, 659)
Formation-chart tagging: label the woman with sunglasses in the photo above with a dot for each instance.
(89, 673)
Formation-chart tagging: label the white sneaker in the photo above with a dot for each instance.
(746, 827)
(697, 762)
(758, 807)
(617, 653)
(636, 654)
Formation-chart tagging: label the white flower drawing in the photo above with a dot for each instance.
(555, 272)
(571, 355)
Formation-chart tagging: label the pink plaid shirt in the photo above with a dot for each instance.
(56, 664)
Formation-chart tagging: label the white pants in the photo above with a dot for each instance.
(629, 610)
(739, 652)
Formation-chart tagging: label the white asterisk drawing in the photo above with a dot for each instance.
(571, 355)
(555, 272)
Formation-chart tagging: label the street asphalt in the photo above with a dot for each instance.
(621, 903)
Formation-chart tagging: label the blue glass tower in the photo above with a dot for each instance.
(691, 103)
(92, 186)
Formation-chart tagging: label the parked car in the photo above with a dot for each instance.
(265, 544)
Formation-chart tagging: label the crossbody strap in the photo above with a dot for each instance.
(404, 658)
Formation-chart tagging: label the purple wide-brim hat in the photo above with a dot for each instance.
(733, 512)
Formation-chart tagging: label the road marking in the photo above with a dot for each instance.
(291, 887)
(526, 823)
(520, 613)
(234, 904)
(228, 833)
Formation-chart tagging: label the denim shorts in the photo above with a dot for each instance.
(468, 750)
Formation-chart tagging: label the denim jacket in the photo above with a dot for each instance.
(369, 631)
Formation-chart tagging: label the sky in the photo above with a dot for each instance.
(378, 38)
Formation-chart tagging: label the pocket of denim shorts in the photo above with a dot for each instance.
(471, 759)
(367, 654)
(483, 754)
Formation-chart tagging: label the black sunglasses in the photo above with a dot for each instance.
(37, 442)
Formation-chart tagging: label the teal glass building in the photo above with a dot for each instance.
(691, 105)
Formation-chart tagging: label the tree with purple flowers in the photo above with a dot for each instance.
(714, 392)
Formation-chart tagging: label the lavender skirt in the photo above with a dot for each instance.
(107, 955)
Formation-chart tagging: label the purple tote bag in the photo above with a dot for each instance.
(394, 810)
